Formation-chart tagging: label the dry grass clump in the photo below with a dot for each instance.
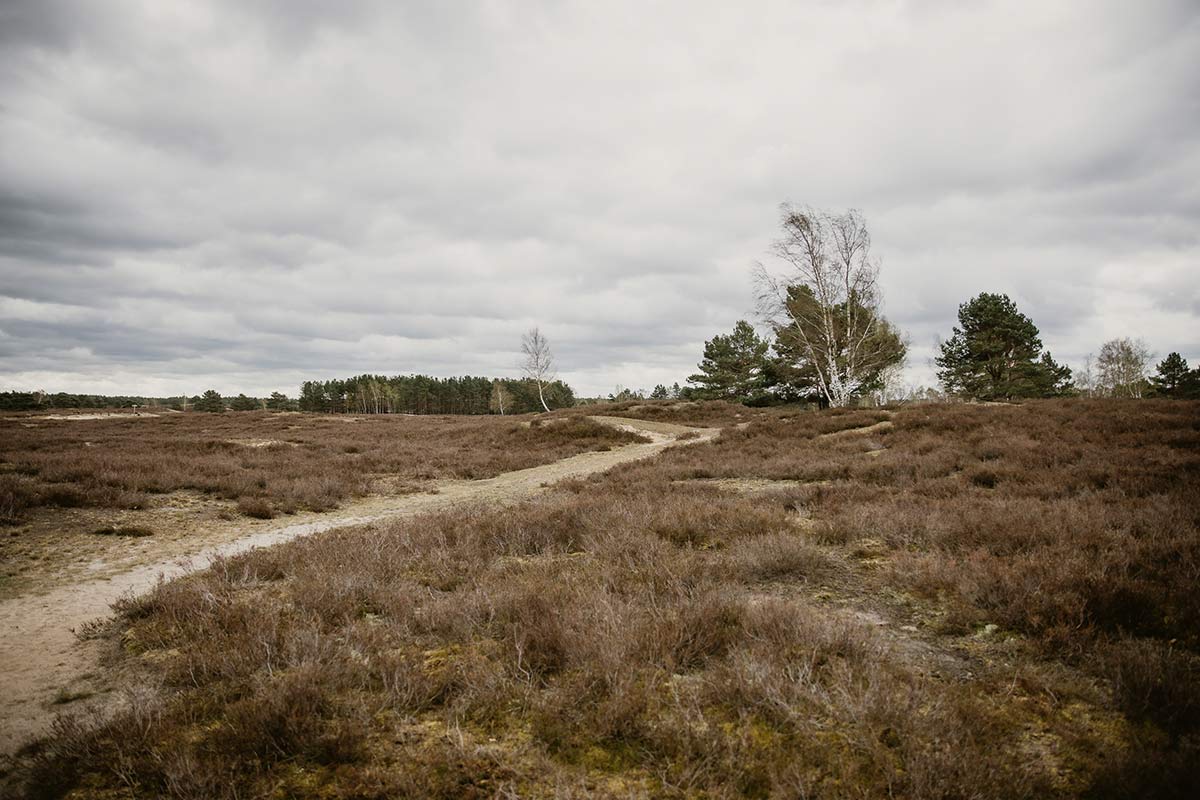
(16, 495)
(256, 507)
(309, 462)
(642, 634)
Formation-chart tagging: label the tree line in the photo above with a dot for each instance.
(422, 394)
(829, 342)
(405, 394)
(210, 400)
(361, 394)
(31, 401)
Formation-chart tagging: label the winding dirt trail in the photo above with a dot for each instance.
(42, 661)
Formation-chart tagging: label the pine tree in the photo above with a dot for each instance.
(996, 354)
(734, 367)
(1052, 379)
(243, 403)
(210, 401)
(1175, 379)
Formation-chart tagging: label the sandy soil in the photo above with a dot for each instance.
(655, 431)
(749, 485)
(113, 415)
(878, 427)
(44, 666)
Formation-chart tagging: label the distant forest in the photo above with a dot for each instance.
(421, 394)
(31, 401)
(362, 394)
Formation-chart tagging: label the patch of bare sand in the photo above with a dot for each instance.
(656, 431)
(112, 415)
(42, 658)
(747, 485)
(59, 546)
(878, 427)
(261, 442)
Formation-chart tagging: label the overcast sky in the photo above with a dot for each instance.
(242, 194)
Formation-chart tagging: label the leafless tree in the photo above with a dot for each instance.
(891, 384)
(539, 362)
(826, 310)
(1085, 377)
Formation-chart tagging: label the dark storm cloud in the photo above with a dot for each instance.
(245, 194)
(60, 232)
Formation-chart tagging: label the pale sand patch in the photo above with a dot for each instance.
(885, 425)
(647, 427)
(77, 417)
(261, 442)
(746, 485)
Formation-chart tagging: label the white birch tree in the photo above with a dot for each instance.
(499, 397)
(826, 309)
(539, 362)
(1122, 367)
(1085, 377)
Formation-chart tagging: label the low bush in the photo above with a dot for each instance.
(256, 507)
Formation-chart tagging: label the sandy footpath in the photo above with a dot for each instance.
(42, 661)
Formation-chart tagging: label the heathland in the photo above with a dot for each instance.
(73, 485)
(933, 601)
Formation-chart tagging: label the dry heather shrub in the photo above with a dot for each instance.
(256, 507)
(16, 495)
(800, 676)
(1156, 681)
(290, 715)
(777, 556)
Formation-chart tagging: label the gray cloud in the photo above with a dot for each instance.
(245, 194)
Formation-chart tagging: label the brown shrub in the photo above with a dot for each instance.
(16, 495)
(256, 507)
(777, 556)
